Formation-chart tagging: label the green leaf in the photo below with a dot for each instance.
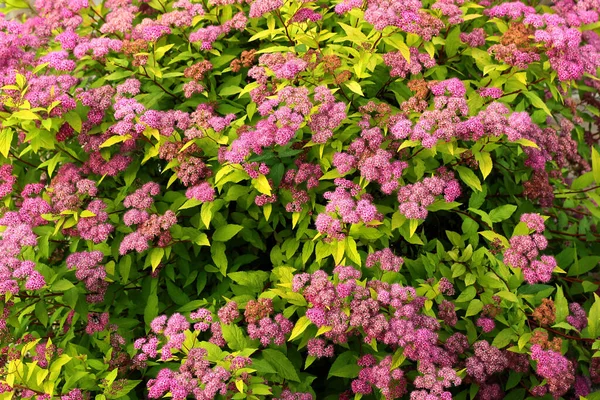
(441, 204)
(536, 101)
(583, 265)
(299, 328)
(6, 137)
(594, 318)
(87, 214)
(234, 336)
(561, 305)
(190, 203)
(506, 295)
(41, 312)
(262, 185)
(217, 251)
(122, 390)
(526, 143)
(176, 294)
(74, 120)
(345, 366)
(160, 52)
(584, 180)
(282, 365)
(355, 87)
(62, 285)
(206, 213)
(413, 224)
(596, 165)
(453, 41)
(156, 256)
(502, 213)
(468, 176)
(254, 280)
(27, 115)
(503, 338)
(151, 309)
(485, 163)
(354, 34)
(114, 140)
(491, 235)
(513, 379)
(466, 295)
(475, 306)
(226, 232)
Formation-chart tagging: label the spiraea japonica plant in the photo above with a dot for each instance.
(269, 199)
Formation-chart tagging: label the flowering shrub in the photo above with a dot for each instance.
(252, 199)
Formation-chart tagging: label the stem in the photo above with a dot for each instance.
(474, 219)
(69, 154)
(579, 191)
(145, 73)
(346, 97)
(285, 27)
(20, 159)
(566, 336)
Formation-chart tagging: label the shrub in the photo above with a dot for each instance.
(296, 200)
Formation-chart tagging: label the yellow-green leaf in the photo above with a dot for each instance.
(114, 140)
(596, 165)
(526, 143)
(536, 101)
(468, 176)
(414, 223)
(299, 328)
(355, 87)
(485, 163)
(6, 137)
(262, 185)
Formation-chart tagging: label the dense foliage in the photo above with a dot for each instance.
(294, 200)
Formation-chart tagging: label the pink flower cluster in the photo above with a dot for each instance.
(434, 382)
(405, 15)
(578, 317)
(401, 67)
(18, 235)
(209, 34)
(95, 228)
(283, 66)
(557, 370)
(524, 251)
(567, 55)
(293, 178)
(279, 127)
(149, 226)
(390, 381)
(7, 180)
(88, 270)
(415, 198)
(443, 122)
(173, 329)
(319, 348)
(328, 117)
(195, 377)
(392, 316)
(269, 330)
(258, 8)
(386, 260)
(475, 38)
(202, 192)
(96, 322)
(228, 313)
(306, 14)
(342, 203)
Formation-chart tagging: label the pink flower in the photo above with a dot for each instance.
(202, 192)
